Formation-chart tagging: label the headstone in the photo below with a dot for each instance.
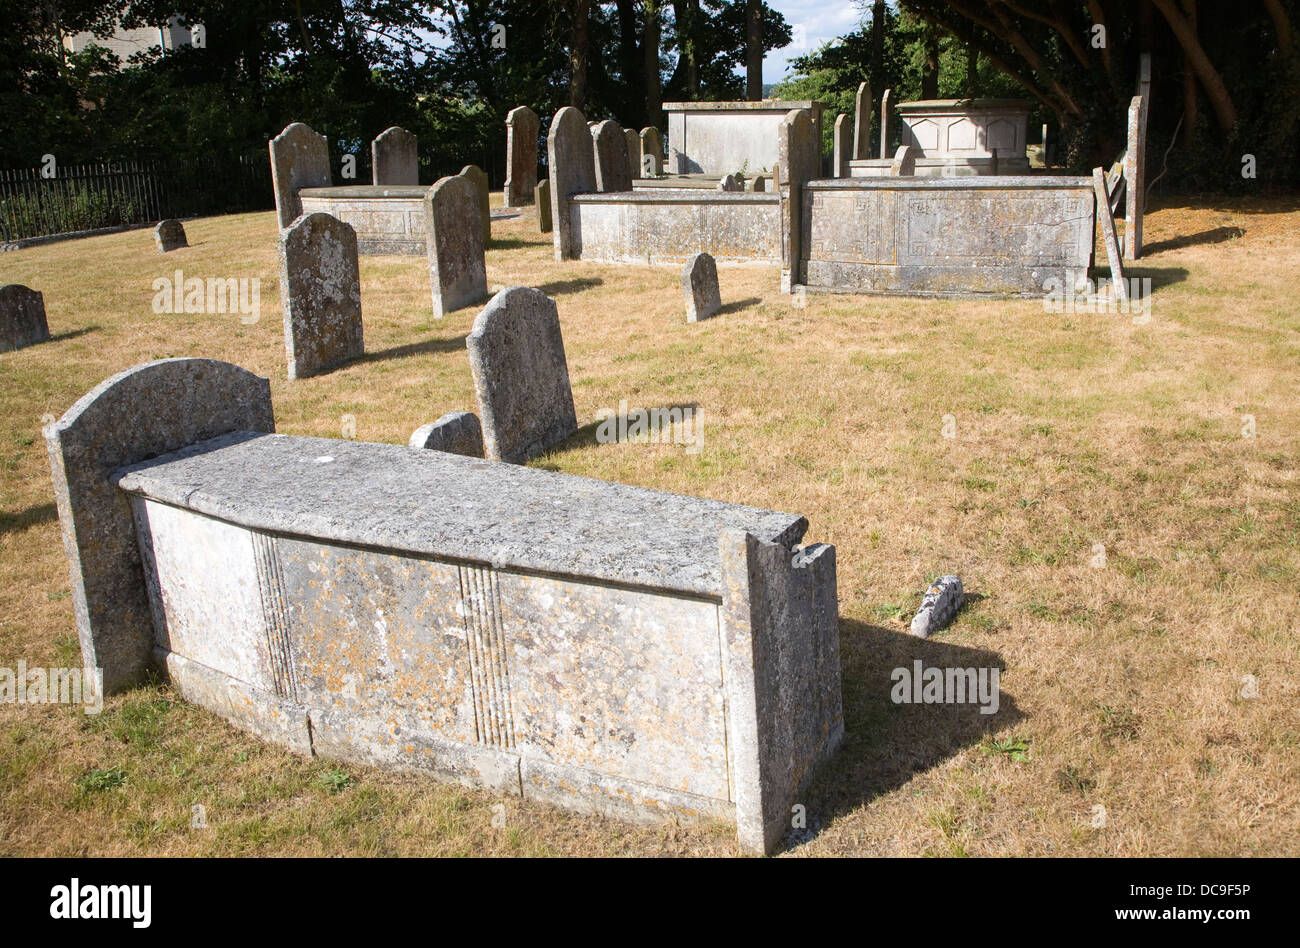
(22, 317)
(395, 157)
(542, 199)
(169, 235)
(1134, 178)
(885, 101)
(798, 160)
(730, 182)
(522, 126)
(571, 161)
(457, 432)
(940, 604)
(146, 411)
(862, 122)
(633, 154)
(757, 183)
(457, 271)
(299, 159)
(904, 162)
(478, 177)
(1113, 255)
(840, 152)
(521, 377)
(652, 152)
(611, 157)
(1047, 160)
(700, 286)
(320, 291)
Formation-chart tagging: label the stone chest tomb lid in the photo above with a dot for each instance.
(448, 506)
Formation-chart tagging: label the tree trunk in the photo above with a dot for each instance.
(877, 44)
(1224, 111)
(1191, 103)
(754, 51)
(972, 71)
(1281, 24)
(930, 68)
(629, 62)
(579, 11)
(692, 49)
(650, 41)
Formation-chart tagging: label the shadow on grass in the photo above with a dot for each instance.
(887, 744)
(71, 334)
(737, 306)
(1216, 236)
(25, 519)
(452, 344)
(586, 435)
(576, 285)
(508, 243)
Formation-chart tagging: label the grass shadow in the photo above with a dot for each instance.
(1215, 236)
(25, 519)
(737, 306)
(452, 344)
(71, 334)
(887, 744)
(509, 243)
(576, 285)
(586, 435)
(1160, 277)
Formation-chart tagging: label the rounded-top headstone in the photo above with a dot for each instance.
(395, 157)
(22, 317)
(478, 177)
(320, 286)
(169, 235)
(612, 172)
(457, 432)
(457, 270)
(700, 287)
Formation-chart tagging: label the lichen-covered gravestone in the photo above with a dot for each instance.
(904, 163)
(299, 159)
(611, 157)
(457, 432)
(840, 154)
(700, 286)
(521, 377)
(478, 177)
(320, 290)
(652, 152)
(633, 154)
(757, 183)
(22, 317)
(862, 122)
(522, 126)
(571, 160)
(395, 157)
(457, 272)
(169, 235)
(885, 101)
(543, 202)
(940, 605)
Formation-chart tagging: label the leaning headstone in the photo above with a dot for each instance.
(862, 122)
(633, 153)
(700, 287)
(395, 157)
(478, 177)
(730, 182)
(22, 317)
(904, 162)
(840, 152)
(940, 605)
(521, 377)
(146, 411)
(1113, 255)
(299, 159)
(885, 101)
(652, 152)
(757, 183)
(543, 201)
(570, 152)
(169, 235)
(611, 157)
(1134, 178)
(457, 432)
(522, 126)
(320, 291)
(457, 271)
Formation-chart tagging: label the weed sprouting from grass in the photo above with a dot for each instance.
(1013, 747)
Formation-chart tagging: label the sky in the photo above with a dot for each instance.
(814, 22)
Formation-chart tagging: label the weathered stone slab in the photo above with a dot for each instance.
(1004, 236)
(457, 432)
(22, 317)
(717, 138)
(1135, 178)
(1113, 255)
(543, 203)
(522, 127)
(143, 412)
(388, 219)
(886, 114)
(904, 163)
(652, 152)
(478, 177)
(798, 154)
(633, 140)
(611, 157)
(939, 606)
(572, 168)
(521, 376)
(395, 158)
(169, 235)
(299, 159)
(700, 286)
(320, 292)
(457, 268)
(862, 122)
(841, 146)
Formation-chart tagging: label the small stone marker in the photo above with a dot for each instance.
(884, 121)
(522, 126)
(457, 432)
(611, 157)
(862, 122)
(22, 317)
(478, 177)
(395, 157)
(521, 376)
(731, 183)
(633, 139)
(700, 286)
(169, 235)
(652, 152)
(940, 605)
(457, 271)
(757, 183)
(840, 152)
(320, 290)
(1113, 255)
(543, 201)
(299, 159)
(904, 163)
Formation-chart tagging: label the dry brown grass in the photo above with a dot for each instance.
(1072, 430)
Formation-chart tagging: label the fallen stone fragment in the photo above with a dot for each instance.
(940, 605)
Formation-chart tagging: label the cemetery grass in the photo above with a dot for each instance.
(1126, 725)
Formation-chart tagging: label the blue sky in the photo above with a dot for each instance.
(814, 22)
